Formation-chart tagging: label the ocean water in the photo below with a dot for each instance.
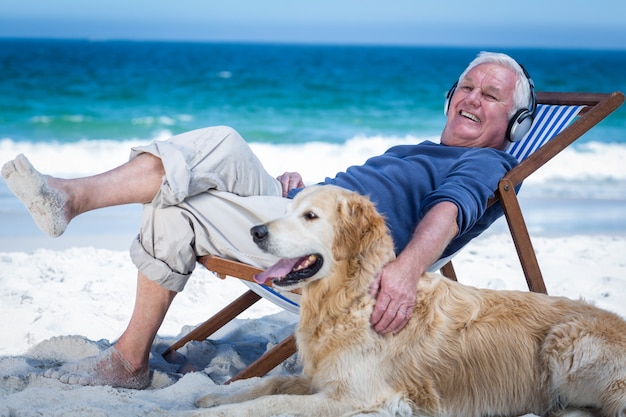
(75, 108)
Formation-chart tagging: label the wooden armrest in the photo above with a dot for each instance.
(226, 267)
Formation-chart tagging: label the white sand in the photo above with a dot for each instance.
(63, 305)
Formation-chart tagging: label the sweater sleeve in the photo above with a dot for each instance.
(469, 184)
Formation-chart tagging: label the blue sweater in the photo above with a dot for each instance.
(406, 181)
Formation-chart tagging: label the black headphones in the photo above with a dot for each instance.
(521, 121)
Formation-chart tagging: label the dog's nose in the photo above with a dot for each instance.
(259, 233)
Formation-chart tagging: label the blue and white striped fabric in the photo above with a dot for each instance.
(549, 121)
(287, 300)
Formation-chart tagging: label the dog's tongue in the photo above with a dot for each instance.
(282, 268)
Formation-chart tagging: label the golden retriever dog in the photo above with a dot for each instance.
(464, 352)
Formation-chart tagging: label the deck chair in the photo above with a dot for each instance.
(561, 119)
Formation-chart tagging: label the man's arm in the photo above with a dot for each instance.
(396, 287)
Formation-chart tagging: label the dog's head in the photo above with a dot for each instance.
(323, 226)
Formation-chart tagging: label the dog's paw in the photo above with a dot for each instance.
(209, 400)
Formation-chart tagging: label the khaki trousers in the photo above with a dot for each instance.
(213, 191)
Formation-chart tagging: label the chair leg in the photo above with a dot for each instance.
(521, 238)
(448, 271)
(216, 322)
(269, 360)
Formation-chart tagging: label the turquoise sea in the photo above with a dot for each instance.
(66, 91)
(75, 107)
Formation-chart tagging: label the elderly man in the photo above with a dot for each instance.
(204, 189)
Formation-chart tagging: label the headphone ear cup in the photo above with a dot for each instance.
(519, 125)
(522, 121)
(446, 105)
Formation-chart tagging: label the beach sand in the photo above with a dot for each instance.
(63, 304)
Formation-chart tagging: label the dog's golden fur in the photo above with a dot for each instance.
(464, 352)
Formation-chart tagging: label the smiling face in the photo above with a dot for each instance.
(480, 107)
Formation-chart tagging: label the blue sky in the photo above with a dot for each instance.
(532, 23)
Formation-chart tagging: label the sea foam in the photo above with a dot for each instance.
(589, 170)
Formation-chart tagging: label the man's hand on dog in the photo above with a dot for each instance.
(395, 299)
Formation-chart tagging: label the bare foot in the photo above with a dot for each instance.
(107, 368)
(46, 204)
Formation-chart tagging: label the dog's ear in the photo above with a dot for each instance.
(359, 226)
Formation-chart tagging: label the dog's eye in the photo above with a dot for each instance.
(309, 215)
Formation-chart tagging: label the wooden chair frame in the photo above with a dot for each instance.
(598, 107)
